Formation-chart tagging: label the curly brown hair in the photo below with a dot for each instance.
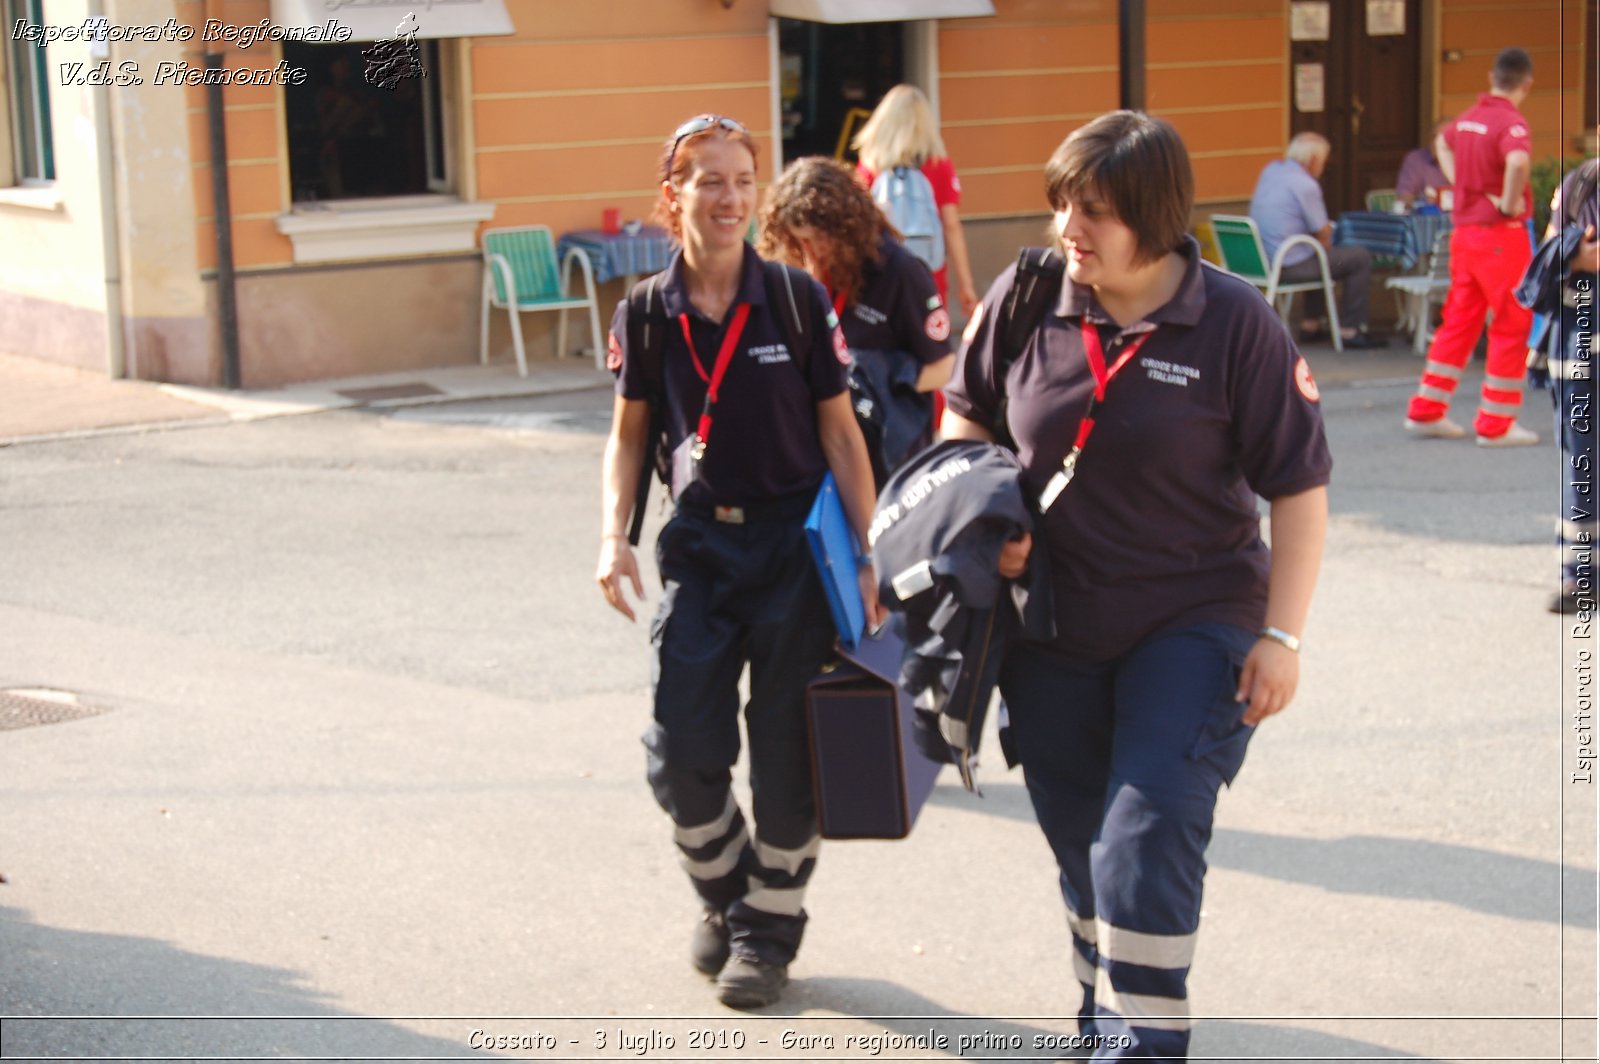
(818, 193)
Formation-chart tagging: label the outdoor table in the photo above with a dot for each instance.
(620, 254)
(1401, 239)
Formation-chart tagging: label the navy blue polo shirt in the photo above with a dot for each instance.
(763, 443)
(899, 308)
(1159, 529)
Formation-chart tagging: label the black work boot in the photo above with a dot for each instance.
(708, 946)
(748, 982)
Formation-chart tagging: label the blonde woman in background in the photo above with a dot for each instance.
(902, 132)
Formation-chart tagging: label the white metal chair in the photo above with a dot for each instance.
(1416, 293)
(1243, 255)
(520, 273)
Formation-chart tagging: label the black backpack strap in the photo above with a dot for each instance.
(647, 335)
(1035, 287)
(792, 295)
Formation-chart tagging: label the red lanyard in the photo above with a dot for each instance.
(1102, 376)
(730, 340)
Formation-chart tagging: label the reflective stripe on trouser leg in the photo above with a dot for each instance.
(1148, 868)
(1504, 367)
(1060, 715)
(708, 828)
(786, 646)
(1179, 739)
(1460, 324)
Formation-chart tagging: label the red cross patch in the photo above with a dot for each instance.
(1304, 381)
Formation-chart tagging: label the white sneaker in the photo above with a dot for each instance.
(1515, 436)
(1441, 428)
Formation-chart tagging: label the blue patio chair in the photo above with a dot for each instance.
(520, 273)
(1243, 255)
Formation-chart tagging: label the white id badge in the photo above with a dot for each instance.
(1058, 483)
(686, 459)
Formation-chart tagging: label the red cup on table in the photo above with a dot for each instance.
(611, 220)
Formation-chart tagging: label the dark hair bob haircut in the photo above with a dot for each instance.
(1136, 165)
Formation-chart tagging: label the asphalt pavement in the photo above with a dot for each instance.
(343, 763)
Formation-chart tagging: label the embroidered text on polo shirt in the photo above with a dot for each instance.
(1168, 372)
(769, 354)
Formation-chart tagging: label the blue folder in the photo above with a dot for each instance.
(833, 548)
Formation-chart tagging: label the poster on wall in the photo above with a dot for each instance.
(1386, 18)
(1308, 20)
(1308, 87)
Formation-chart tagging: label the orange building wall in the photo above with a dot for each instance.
(569, 115)
(1217, 70)
(1011, 87)
(1552, 32)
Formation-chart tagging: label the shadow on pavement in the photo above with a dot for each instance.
(1042, 1038)
(1493, 883)
(102, 995)
(1239, 1040)
(1480, 880)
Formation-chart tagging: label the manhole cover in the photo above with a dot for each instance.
(26, 707)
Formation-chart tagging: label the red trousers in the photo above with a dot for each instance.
(1486, 263)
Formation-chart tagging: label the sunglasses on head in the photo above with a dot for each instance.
(699, 124)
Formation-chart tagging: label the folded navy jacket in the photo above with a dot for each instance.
(936, 537)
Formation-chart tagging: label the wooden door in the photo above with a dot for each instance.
(1368, 69)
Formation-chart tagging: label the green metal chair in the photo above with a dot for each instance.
(1243, 255)
(1381, 199)
(520, 273)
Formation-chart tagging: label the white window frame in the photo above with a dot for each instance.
(437, 221)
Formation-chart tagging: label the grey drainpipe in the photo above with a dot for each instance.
(110, 220)
(222, 211)
(1130, 40)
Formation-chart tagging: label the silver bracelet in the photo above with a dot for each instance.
(1279, 636)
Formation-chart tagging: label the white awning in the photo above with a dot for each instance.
(837, 11)
(375, 20)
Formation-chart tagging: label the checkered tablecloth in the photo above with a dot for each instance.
(619, 254)
(1401, 239)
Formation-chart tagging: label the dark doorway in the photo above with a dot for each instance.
(1358, 86)
(831, 78)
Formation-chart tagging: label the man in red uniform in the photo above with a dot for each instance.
(1485, 152)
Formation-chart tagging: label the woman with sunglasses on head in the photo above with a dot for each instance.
(818, 216)
(1155, 399)
(753, 425)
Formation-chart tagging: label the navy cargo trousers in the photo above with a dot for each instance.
(738, 593)
(1123, 761)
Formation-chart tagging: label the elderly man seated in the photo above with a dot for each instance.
(1287, 202)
